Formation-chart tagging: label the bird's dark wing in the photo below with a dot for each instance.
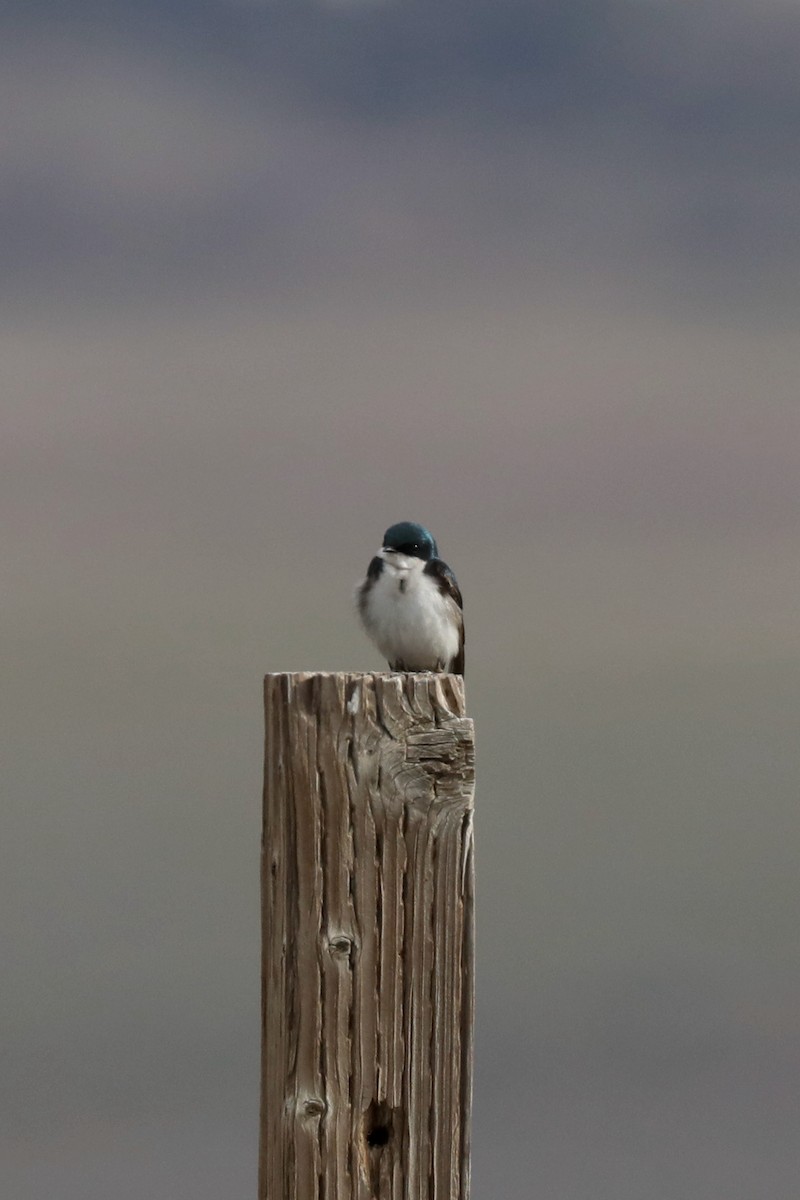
(373, 571)
(448, 586)
(445, 579)
(458, 662)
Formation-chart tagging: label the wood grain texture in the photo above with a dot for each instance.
(367, 956)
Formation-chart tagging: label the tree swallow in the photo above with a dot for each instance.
(410, 603)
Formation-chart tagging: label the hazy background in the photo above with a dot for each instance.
(273, 276)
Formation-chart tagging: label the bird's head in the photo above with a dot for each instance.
(410, 539)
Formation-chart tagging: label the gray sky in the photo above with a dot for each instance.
(275, 275)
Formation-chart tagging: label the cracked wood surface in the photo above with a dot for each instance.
(367, 952)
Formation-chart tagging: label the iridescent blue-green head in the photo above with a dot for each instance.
(410, 539)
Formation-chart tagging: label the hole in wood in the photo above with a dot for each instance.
(378, 1122)
(378, 1136)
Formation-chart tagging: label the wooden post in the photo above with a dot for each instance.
(367, 953)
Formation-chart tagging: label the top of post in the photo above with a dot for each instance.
(415, 691)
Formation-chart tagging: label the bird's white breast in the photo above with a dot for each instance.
(408, 617)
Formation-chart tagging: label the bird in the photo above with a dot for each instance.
(410, 603)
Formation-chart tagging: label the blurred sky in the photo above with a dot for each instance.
(273, 276)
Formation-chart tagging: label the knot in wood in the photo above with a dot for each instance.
(314, 1106)
(341, 946)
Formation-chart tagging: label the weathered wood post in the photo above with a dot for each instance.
(367, 952)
